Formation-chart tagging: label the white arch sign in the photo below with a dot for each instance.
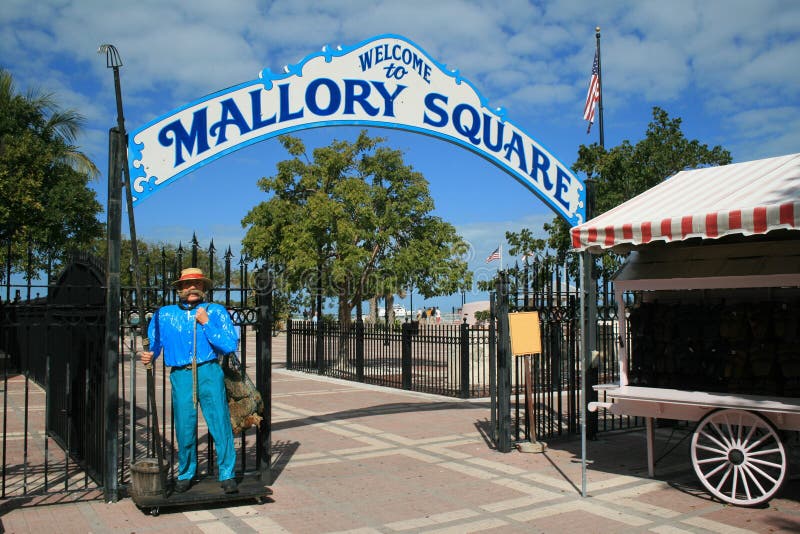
(386, 81)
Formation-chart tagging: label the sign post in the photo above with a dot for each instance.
(526, 341)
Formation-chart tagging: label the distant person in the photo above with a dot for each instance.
(438, 315)
(194, 331)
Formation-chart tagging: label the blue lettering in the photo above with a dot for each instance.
(255, 102)
(420, 66)
(470, 132)
(397, 52)
(351, 97)
(287, 115)
(366, 60)
(230, 116)
(333, 90)
(561, 186)
(487, 133)
(388, 99)
(182, 138)
(430, 103)
(540, 164)
(515, 145)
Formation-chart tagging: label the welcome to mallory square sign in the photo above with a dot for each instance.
(386, 81)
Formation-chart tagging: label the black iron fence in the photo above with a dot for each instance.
(246, 293)
(53, 357)
(556, 372)
(51, 342)
(459, 360)
(446, 359)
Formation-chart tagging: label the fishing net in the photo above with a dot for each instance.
(244, 401)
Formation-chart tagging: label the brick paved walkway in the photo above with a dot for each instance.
(361, 459)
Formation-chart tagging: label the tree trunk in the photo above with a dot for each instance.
(390, 309)
(373, 309)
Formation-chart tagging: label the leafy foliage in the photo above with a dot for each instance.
(357, 218)
(43, 180)
(627, 170)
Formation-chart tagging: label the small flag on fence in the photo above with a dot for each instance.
(494, 255)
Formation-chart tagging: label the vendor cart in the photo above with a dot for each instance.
(711, 326)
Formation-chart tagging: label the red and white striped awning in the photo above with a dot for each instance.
(754, 197)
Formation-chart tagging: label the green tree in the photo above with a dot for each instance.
(43, 180)
(356, 221)
(627, 170)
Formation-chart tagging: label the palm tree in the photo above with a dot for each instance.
(45, 116)
(47, 205)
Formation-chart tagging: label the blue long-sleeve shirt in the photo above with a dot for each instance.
(171, 329)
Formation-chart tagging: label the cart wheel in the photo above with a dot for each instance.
(738, 456)
(154, 511)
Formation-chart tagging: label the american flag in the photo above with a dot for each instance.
(494, 255)
(593, 95)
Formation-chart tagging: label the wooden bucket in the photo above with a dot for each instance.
(145, 478)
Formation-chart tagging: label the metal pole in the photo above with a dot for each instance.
(583, 264)
(264, 304)
(113, 218)
(600, 87)
(589, 328)
(320, 347)
(114, 62)
(589, 310)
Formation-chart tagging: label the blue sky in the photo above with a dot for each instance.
(728, 68)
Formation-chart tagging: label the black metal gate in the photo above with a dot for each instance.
(55, 384)
(555, 406)
(53, 388)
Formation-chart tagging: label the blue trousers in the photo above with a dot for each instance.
(214, 403)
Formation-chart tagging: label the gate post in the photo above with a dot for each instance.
(359, 349)
(320, 339)
(111, 360)
(289, 363)
(264, 287)
(493, 365)
(503, 367)
(464, 343)
(405, 362)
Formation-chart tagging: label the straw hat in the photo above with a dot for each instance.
(193, 273)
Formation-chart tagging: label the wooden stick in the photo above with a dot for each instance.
(194, 364)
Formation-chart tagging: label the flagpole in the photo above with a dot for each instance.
(589, 290)
(600, 85)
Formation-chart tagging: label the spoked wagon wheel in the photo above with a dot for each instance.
(738, 456)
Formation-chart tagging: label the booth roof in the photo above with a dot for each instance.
(753, 197)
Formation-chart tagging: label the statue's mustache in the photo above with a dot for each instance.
(185, 293)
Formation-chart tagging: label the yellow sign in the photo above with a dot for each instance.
(526, 336)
